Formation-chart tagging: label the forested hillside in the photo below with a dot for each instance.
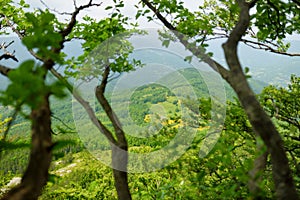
(76, 174)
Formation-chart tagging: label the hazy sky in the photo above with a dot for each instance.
(99, 12)
(128, 10)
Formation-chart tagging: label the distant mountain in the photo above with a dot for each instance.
(21, 53)
(264, 66)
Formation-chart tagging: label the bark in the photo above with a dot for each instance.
(260, 121)
(119, 158)
(120, 149)
(36, 174)
(263, 126)
(119, 164)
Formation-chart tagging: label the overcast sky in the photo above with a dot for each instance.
(128, 10)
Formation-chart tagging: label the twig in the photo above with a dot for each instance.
(60, 120)
(54, 10)
(263, 46)
(5, 70)
(86, 106)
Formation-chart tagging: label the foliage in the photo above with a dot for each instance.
(42, 34)
(270, 23)
(282, 103)
(27, 86)
(221, 174)
(3, 126)
(276, 19)
(283, 106)
(187, 178)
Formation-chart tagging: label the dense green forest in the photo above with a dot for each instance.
(75, 173)
(96, 105)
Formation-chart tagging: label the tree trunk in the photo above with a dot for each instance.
(263, 126)
(119, 164)
(36, 174)
(260, 121)
(119, 147)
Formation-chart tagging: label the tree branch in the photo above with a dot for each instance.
(100, 89)
(53, 10)
(263, 46)
(61, 121)
(296, 2)
(4, 70)
(198, 52)
(86, 106)
(240, 28)
(261, 123)
(159, 15)
(73, 21)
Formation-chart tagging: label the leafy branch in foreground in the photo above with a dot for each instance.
(236, 21)
(38, 31)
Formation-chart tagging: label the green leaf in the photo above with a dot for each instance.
(114, 15)
(188, 59)
(166, 43)
(247, 70)
(138, 14)
(27, 85)
(108, 7)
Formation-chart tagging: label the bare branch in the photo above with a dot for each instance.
(61, 121)
(215, 38)
(267, 45)
(263, 46)
(7, 54)
(5, 46)
(5, 70)
(54, 10)
(72, 23)
(75, 5)
(113, 77)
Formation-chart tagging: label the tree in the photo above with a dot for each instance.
(281, 102)
(232, 21)
(44, 38)
(31, 27)
(282, 105)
